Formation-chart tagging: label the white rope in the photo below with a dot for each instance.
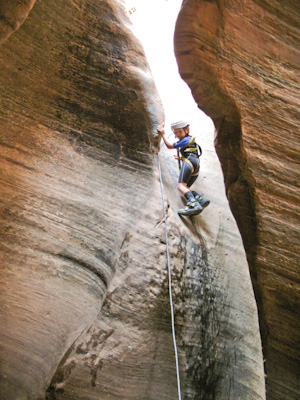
(170, 284)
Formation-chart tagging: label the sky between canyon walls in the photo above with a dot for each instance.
(154, 23)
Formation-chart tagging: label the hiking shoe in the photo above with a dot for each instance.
(202, 200)
(191, 208)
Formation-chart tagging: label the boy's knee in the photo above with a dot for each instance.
(179, 186)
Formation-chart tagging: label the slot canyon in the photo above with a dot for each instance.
(85, 311)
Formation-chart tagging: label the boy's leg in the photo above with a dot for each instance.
(192, 207)
(192, 180)
(183, 188)
(201, 199)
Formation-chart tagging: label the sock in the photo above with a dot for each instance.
(189, 196)
(195, 193)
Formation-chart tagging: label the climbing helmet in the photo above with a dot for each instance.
(179, 124)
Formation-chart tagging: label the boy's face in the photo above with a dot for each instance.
(180, 133)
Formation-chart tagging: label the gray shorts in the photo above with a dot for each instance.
(189, 170)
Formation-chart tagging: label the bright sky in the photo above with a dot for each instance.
(153, 24)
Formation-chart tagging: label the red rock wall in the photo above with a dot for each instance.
(13, 14)
(241, 61)
(72, 82)
(84, 294)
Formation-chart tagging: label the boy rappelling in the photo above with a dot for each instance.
(190, 153)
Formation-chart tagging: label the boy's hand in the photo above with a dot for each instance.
(160, 130)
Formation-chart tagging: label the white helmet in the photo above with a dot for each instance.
(179, 124)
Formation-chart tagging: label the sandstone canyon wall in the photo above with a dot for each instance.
(241, 61)
(84, 295)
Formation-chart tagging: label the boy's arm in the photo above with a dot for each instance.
(163, 135)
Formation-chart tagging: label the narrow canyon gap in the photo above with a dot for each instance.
(84, 298)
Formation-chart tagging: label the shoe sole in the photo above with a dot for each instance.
(190, 214)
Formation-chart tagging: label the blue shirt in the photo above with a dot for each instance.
(181, 143)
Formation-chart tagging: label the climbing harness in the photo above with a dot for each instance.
(170, 283)
(191, 165)
(189, 150)
(192, 147)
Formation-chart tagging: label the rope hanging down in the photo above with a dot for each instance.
(170, 283)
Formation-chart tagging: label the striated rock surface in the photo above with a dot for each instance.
(84, 293)
(241, 61)
(128, 351)
(12, 15)
(73, 80)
